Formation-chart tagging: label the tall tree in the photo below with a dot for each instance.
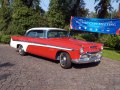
(55, 15)
(24, 16)
(78, 8)
(4, 3)
(5, 14)
(60, 11)
(19, 15)
(32, 3)
(104, 7)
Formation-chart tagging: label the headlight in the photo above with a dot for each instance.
(81, 50)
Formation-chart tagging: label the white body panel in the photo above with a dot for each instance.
(26, 44)
(15, 43)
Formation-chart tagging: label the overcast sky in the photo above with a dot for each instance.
(89, 4)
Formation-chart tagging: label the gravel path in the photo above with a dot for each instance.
(35, 73)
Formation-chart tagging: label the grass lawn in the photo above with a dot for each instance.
(111, 53)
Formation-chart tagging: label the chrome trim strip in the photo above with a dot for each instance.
(45, 45)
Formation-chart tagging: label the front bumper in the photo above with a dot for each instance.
(89, 58)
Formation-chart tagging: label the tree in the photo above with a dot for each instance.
(20, 15)
(104, 7)
(60, 11)
(24, 16)
(78, 8)
(55, 15)
(5, 14)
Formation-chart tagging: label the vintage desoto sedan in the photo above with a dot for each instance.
(55, 44)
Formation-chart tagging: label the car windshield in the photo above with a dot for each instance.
(57, 34)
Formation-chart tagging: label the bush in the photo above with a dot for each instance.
(85, 36)
(117, 43)
(5, 39)
(112, 41)
(79, 36)
(89, 37)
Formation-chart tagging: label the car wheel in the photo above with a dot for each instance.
(21, 50)
(65, 60)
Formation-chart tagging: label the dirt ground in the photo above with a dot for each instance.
(36, 73)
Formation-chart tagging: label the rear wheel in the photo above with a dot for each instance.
(21, 50)
(65, 60)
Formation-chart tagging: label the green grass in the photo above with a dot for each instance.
(111, 53)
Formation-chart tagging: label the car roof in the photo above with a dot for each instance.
(45, 28)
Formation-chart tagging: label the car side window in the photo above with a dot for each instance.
(32, 34)
(36, 34)
(52, 34)
(41, 34)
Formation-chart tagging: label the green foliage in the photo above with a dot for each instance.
(85, 36)
(89, 37)
(5, 39)
(60, 11)
(67, 27)
(110, 41)
(20, 16)
(56, 17)
(23, 18)
(5, 17)
(79, 36)
(103, 7)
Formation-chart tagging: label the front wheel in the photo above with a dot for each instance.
(21, 50)
(65, 60)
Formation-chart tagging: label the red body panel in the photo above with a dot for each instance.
(67, 43)
(42, 51)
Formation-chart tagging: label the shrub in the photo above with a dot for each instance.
(112, 41)
(117, 43)
(89, 37)
(85, 36)
(5, 39)
(79, 36)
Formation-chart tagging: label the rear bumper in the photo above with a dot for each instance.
(88, 58)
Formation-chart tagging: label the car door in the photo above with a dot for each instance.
(37, 43)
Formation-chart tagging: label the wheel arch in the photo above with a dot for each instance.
(18, 45)
(22, 44)
(59, 52)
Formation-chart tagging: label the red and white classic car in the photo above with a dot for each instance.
(55, 44)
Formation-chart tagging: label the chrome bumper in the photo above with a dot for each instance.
(88, 58)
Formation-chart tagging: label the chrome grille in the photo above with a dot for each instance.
(91, 55)
(93, 46)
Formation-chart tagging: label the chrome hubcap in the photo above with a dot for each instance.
(20, 49)
(63, 60)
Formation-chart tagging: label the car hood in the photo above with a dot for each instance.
(74, 41)
(77, 44)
